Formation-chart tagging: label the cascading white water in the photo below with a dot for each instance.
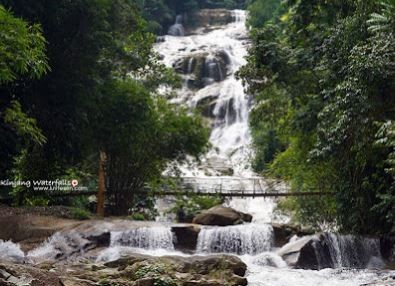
(58, 247)
(240, 239)
(177, 29)
(11, 252)
(144, 237)
(222, 52)
(155, 240)
(208, 62)
(352, 251)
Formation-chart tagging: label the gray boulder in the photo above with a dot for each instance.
(222, 216)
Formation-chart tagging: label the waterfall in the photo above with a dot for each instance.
(348, 251)
(208, 63)
(240, 239)
(144, 237)
(177, 29)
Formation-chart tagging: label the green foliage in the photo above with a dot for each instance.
(22, 48)
(24, 126)
(36, 201)
(156, 271)
(386, 139)
(138, 216)
(22, 55)
(262, 11)
(80, 214)
(98, 96)
(322, 75)
(194, 204)
(140, 134)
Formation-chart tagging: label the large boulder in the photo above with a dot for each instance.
(192, 270)
(290, 252)
(387, 248)
(221, 216)
(329, 250)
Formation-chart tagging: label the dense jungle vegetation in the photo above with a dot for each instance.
(80, 80)
(83, 79)
(322, 75)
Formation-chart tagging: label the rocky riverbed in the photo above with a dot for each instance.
(48, 250)
(134, 269)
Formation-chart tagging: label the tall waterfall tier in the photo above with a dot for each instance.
(144, 237)
(240, 239)
(208, 62)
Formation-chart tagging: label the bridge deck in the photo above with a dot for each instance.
(209, 194)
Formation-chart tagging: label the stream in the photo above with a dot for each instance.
(208, 58)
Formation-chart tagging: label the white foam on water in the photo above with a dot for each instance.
(10, 251)
(269, 276)
(58, 247)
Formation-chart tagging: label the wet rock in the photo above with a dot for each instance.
(99, 239)
(315, 255)
(203, 69)
(207, 105)
(329, 250)
(29, 231)
(194, 270)
(309, 252)
(145, 282)
(67, 281)
(386, 281)
(131, 270)
(205, 265)
(290, 252)
(284, 232)
(186, 237)
(226, 111)
(26, 275)
(387, 249)
(221, 216)
(160, 39)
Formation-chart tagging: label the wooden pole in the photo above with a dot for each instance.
(102, 187)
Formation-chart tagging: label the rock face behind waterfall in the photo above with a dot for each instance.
(212, 17)
(222, 216)
(203, 69)
(329, 250)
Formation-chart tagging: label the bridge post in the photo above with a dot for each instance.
(100, 193)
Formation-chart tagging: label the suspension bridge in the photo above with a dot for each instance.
(214, 186)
